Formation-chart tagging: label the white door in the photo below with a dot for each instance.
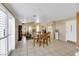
(71, 30)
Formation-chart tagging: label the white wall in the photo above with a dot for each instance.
(60, 26)
(17, 22)
(11, 32)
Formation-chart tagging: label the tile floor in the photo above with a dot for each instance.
(55, 48)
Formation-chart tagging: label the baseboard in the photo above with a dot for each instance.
(9, 54)
(71, 41)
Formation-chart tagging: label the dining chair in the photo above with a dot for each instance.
(43, 39)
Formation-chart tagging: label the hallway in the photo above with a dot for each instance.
(55, 48)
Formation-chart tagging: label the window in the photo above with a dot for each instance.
(3, 24)
(3, 33)
(7, 33)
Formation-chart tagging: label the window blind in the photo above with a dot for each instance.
(3, 24)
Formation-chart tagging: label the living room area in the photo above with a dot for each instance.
(39, 29)
(46, 39)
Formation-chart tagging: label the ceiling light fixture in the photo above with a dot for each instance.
(36, 18)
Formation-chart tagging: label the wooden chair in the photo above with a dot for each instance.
(35, 39)
(49, 36)
(40, 39)
(43, 39)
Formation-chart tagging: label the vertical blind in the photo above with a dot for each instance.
(7, 33)
(3, 24)
(3, 33)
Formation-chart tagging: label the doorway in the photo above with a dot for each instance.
(19, 32)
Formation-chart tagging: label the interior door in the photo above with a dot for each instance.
(71, 30)
(68, 37)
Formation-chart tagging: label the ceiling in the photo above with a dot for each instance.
(28, 12)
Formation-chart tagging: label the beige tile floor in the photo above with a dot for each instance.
(54, 48)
